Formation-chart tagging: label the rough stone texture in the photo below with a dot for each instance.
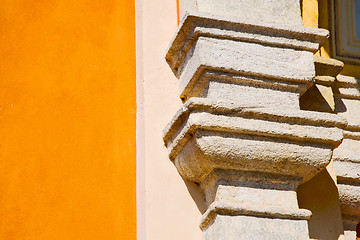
(250, 194)
(249, 59)
(241, 134)
(279, 12)
(239, 57)
(195, 25)
(347, 155)
(228, 227)
(327, 68)
(244, 90)
(262, 155)
(287, 142)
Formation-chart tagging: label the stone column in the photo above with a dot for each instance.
(347, 155)
(241, 134)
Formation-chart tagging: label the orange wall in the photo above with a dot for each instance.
(67, 119)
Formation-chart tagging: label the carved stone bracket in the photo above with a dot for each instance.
(249, 160)
(241, 134)
(216, 55)
(320, 97)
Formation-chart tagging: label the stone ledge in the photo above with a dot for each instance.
(195, 25)
(347, 87)
(246, 59)
(350, 200)
(233, 210)
(297, 143)
(327, 66)
(239, 109)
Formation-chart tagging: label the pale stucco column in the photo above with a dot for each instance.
(240, 134)
(347, 155)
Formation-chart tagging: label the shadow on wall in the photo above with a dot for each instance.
(196, 194)
(320, 195)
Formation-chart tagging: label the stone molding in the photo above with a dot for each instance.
(289, 129)
(206, 42)
(241, 134)
(195, 25)
(347, 155)
(279, 191)
(326, 70)
(347, 87)
(279, 12)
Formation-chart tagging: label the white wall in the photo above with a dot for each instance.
(166, 210)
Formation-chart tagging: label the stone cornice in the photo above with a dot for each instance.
(271, 212)
(300, 131)
(237, 109)
(347, 87)
(195, 25)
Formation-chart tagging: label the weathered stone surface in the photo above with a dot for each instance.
(350, 199)
(264, 152)
(202, 137)
(241, 134)
(246, 65)
(229, 227)
(320, 97)
(250, 194)
(327, 67)
(249, 160)
(348, 152)
(347, 155)
(348, 88)
(217, 57)
(350, 206)
(247, 90)
(350, 223)
(196, 25)
(263, 11)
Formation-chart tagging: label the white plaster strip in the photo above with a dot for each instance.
(140, 128)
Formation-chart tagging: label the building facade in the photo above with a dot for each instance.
(266, 143)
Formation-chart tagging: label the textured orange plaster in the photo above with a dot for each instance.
(178, 11)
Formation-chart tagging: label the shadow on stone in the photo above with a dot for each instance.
(196, 194)
(339, 105)
(313, 100)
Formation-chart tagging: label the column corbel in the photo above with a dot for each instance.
(241, 134)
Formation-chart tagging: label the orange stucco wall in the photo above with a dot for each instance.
(67, 119)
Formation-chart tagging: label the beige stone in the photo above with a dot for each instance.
(249, 160)
(257, 136)
(346, 156)
(278, 12)
(320, 97)
(241, 134)
(223, 59)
